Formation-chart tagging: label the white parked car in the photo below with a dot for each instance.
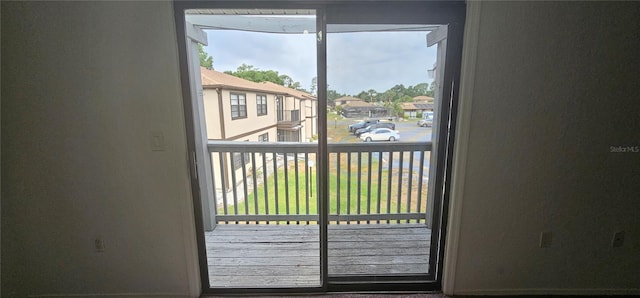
(425, 123)
(380, 134)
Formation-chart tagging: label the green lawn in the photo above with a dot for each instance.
(297, 202)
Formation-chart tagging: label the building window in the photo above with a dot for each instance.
(261, 101)
(238, 106)
(263, 137)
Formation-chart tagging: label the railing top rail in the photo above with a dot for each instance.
(261, 147)
(380, 147)
(297, 147)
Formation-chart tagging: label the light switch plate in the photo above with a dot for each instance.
(99, 244)
(157, 141)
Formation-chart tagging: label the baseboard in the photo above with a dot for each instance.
(549, 291)
(120, 295)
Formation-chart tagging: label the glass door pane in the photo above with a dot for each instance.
(383, 104)
(257, 71)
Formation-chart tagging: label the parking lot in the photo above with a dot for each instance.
(409, 131)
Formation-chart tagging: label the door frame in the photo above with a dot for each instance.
(450, 13)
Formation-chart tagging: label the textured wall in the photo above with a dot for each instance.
(83, 86)
(556, 85)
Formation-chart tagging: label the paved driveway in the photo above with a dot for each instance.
(409, 131)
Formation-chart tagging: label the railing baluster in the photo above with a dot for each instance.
(286, 183)
(338, 185)
(348, 185)
(307, 181)
(295, 162)
(275, 183)
(264, 183)
(379, 183)
(233, 184)
(314, 180)
(400, 184)
(244, 185)
(223, 181)
(389, 176)
(213, 185)
(358, 197)
(369, 185)
(420, 181)
(255, 183)
(409, 187)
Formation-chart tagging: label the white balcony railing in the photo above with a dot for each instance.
(275, 183)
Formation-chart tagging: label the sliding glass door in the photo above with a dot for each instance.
(379, 168)
(385, 73)
(321, 137)
(252, 69)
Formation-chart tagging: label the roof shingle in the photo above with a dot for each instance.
(216, 79)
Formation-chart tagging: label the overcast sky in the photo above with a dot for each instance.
(355, 61)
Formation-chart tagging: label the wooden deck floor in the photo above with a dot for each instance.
(288, 255)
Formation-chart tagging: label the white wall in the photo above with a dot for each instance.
(84, 84)
(556, 84)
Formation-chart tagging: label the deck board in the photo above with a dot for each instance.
(288, 255)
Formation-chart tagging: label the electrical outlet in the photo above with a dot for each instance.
(99, 245)
(545, 239)
(618, 239)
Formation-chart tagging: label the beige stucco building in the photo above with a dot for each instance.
(241, 110)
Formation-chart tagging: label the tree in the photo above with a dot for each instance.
(417, 90)
(314, 85)
(332, 95)
(205, 60)
(287, 81)
(372, 95)
(405, 98)
(400, 89)
(394, 107)
(432, 89)
(369, 95)
(296, 85)
(290, 83)
(254, 74)
(362, 95)
(398, 92)
(389, 95)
